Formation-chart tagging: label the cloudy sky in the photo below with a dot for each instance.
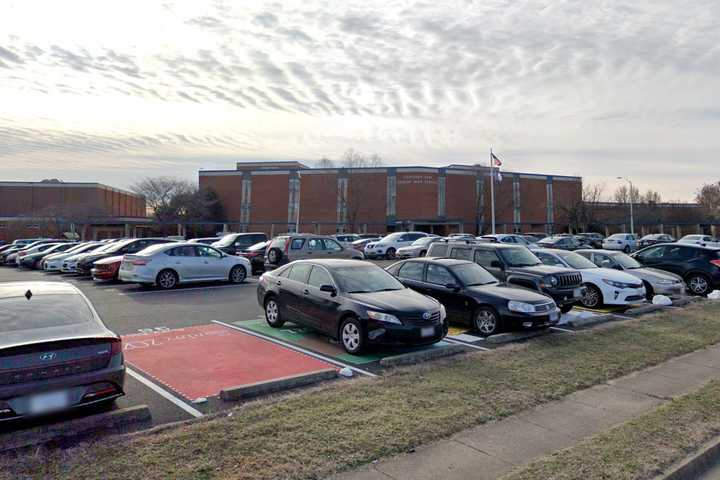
(114, 91)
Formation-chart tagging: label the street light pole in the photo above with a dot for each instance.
(632, 216)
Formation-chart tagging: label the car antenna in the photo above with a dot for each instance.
(28, 295)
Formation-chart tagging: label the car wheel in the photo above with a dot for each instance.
(237, 274)
(167, 280)
(566, 308)
(593, 297)
(274, 256)
(390, 253)
(487, 321)
(649, 292)
(351, 336)
(626, 249)
(272, 313)
(423, 253)
(698, 284)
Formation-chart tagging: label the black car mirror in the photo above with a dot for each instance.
(617, 267)
(496, 264)
(452, 286)
(329, 289)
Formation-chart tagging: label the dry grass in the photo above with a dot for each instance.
(316, 433)
(639, 449)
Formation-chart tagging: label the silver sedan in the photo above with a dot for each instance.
(167, 265)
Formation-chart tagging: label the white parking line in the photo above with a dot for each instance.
(164, 393)
(562, 329)
(296, 348)
(455, 342)
(181, 290)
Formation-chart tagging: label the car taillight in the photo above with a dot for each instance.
(99, 390)
(715, 262)
(287, 246)
(116, 347)
(140, 262)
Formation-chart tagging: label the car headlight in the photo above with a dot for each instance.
(443, 313)
(522, 307)
(620, 284)
(552, 281)
(383, 317)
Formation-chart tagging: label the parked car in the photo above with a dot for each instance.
(620, 241)
(54, 261)
(561, 242)
(517, 265)
(511, 239)
(346, 239)
(205, 240)
(299, 246)
(360, 245)
(657, 282)
(34, 260)
(461, 236)
(6, 247)
(18, 256)
(538, 235)
(168, 265)
(9, 257)
(357, 303)
(698, 266)
(472, 296)
(107, 269)
(417, 249)
(702, 240)
(388, 246)
(256, 255)
(69, 264)
(85, 263)
(57, 354)
(369, 235)
(594, 240)
(654, 239)
(603, 286)
(236, 243)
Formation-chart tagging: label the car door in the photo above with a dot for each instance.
(489, 259)
(321, 307)
(652, 256)
(292, 294)
(677, 259)
(315, 248)
(437, 280)
(334, 250)
(411, 275)
(211, 265)
(186, 262)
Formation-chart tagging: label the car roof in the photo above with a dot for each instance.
(17, 289)
(440, 260)
(335, 262)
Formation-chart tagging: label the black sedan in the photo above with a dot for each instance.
(698, 266)
(256, 255)
(472, 296)
(55, 352)
(355, 302)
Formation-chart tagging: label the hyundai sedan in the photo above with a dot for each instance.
(355, 302)
(55, 352)
(168, 265)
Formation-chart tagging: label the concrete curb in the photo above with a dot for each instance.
(592, 321)
(634, 312)
(695, 465)
(422, 355)
(509, 337)
(117, 421)
(277, 385)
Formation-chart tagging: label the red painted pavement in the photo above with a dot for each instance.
(200, 361)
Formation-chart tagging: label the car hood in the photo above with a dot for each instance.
(96, 256)
(399, 301)
(506, 292)
(653, 274)
(542, 270)
(597, 274)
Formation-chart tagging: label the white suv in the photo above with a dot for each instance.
(620, 241)
(702, 240)
(388, 245)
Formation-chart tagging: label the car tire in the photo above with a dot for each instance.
(274, 256)
(390, 253)
(272, 313)
(649, 292)
(238, 274)
(486, 321)
(423, 253)
(166, 279)
(567, 308)
(593, 297)
(698, 284)
(626, 249)
(352, 336)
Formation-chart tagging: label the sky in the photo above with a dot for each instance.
(117, 91)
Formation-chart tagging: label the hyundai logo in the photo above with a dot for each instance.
(46, 357)
(427, 316)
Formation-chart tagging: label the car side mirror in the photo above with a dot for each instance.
(329, 289)
(618, 267)
(452, 286)
(497, 264)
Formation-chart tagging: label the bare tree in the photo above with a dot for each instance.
(161, 192)
(582, 214)
(355, 159)
(355, 194)
(624, 195)
(325, 163)
(708, 197)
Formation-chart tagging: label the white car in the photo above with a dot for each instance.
(54, 261)
(388, 246)
(603, 286)
(626, 242)
(347, 239)
(40, 248)
(69, 264)
(416, 249)
(702, 240)
(168, 264)
(511, 239)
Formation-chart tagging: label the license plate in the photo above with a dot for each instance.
(49, 402)
(126, 266)
(553, 316)
(577, 293)
(427, 332)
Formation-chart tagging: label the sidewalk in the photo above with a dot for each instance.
(492, 450)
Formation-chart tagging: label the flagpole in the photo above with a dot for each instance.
(492, 191)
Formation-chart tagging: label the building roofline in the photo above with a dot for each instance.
(69, 185)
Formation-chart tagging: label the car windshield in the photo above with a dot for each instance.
(519, 257)
(226, 241)
(259, 246)
(421, 242)
(626, 261)
(575, 260)
(617, 236)
(549, 240)
(471, 274)
(365, 279)
(392, 237)
(42, 311)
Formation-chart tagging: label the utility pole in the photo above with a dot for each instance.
(632, 194)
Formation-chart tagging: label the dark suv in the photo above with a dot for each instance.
(237, 243)
(518, 266)
(698, 266)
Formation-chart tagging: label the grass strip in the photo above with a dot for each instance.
(316, 433)
(639, 449)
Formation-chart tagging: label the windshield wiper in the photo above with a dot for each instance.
(360, 291)
(387, 290)
(526, 264)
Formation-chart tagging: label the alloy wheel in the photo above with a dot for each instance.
(167, 280)
(351, 336)
(271, 311)
(485, 322)
(237, 275)
(698, 285)
(591, 299)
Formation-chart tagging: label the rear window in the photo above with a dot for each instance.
(42, 311)
(438, 250)
(461, 253)
(279, 242)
